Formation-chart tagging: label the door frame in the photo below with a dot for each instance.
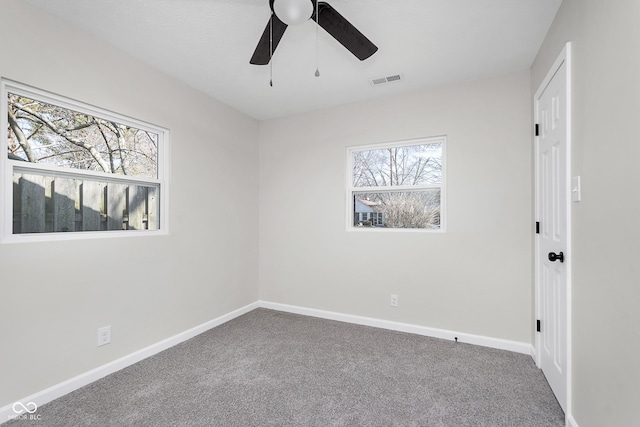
(563, 58)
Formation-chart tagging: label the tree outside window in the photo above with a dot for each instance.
(399, 185)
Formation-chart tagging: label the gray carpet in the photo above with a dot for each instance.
(269, 368)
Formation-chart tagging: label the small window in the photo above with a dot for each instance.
(77, 170)
(397, 185)
(377, 219)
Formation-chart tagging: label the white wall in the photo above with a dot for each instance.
(54, 296)
(474, 278)
(605, 40)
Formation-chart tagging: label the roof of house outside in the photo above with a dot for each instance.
(368, 202)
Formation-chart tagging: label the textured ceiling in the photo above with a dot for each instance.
(208, 43)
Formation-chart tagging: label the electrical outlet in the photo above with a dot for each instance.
(104, 335)
(394, 300)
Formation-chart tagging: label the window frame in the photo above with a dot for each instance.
(8, 167)
(352, 190)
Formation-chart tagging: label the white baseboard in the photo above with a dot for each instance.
(571, 422)
(515, 346)
(534, 355)
(65, 387)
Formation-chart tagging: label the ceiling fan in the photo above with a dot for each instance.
(293, 12)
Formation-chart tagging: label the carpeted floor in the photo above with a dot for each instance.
(269, 368)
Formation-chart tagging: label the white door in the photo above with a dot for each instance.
(553, 216)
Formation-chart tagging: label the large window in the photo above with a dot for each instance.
(72, 170)
(397, 185)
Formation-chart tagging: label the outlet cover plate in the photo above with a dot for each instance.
(394, 300)
(104, 335)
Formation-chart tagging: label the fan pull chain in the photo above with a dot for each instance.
(271, 51)
(317, 73)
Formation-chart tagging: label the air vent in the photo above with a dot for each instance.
(388, 79)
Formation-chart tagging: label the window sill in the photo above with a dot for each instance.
(56, 237)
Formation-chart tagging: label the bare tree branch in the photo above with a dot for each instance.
(122, 144)
(63, 133)
(106, 141)
(14, 157)
(22, 139)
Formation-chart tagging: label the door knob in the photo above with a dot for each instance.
(556, 257)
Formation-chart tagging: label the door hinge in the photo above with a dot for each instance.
(537, 129)
(538, 325)
(537, 227)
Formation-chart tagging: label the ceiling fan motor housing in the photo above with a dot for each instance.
(292, 12)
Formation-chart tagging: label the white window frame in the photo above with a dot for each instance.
(9, 166)
(352, 190)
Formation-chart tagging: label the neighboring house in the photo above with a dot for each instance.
(366, 210)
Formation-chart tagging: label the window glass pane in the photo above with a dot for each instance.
(399, 209)
(401, 165)
(44, 203)
(44, 133)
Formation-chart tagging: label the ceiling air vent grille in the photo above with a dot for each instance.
(388, 79)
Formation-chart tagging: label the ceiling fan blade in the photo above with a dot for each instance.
(263, 52)
(342, 30)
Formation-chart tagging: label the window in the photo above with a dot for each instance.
(397, 185)
(76, 171)
(377, 219)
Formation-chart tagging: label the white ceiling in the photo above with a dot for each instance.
(208, 43)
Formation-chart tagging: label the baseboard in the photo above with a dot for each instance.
(65, 387)
(515, 346)
(534, 355)
(571, 422)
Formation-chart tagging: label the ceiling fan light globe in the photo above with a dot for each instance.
(293, 12)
